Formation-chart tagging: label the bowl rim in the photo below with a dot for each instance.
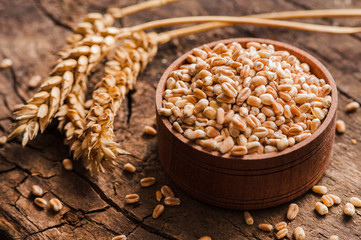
(304, 56)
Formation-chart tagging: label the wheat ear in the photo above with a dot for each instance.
(73, 66)
(98, 149)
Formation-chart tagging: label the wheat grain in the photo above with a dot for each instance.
(34, 81)
(55, 204)
(37, 190)
(6, 63)
(3, 140)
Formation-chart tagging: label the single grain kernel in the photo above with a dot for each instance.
(353, 141)
(158, 195)
(327, 200)
(128, 167)
(248, 218)
(355, 201)
(319, 189)
(68, 164)
(239, 150)
(333, 237)
(226, 145)
(292, 212)
(42, 203)
(6, 63)
(120, 237)
(34, 81)
(36, 190)
(340, 126)
(158, 211)
(352, 106)
(299, 233)
(132, 198)
(281, 225)
(205, 238)
(147, 182)
(55, 204)
(167, 191)
(349, 209)
(3, 140)
(172, 201)
(150, 130)
(336, 199)
(321, 208)
(265, 227)
(282, 144)
(282, 233)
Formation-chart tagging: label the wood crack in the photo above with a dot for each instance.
(45, 229)
(101, 225)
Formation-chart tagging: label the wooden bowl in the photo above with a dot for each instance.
(252, 181)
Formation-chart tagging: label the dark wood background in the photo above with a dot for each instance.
(31, 32)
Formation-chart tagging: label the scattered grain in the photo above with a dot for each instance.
(34, 81)
(158, 210)
(40, 202)
(321, 208)
(147, 182)
(158, 196)
(132, 198)
(333, 237)
(55, 204)
(167, 191)
(319, 189)
(6, 63)
(128, 167)
(282, 233)
(349, 209)
(150, 130)
(353, 141)
(68, 164)
(352, 106)
(336, 199)
(355, 201)
(172, 201)
(281, 225)
(120, 237)
(37, 190)
(299, 233)
(3, 140)
(340, 126)
(265, 227)
(292, 212)
(327, 200)
(205, 238)
(248, 218)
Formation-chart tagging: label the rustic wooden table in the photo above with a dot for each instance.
(31, 32)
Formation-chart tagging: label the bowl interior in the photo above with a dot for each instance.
(316, 67)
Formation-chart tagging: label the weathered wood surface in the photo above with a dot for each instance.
(30, 34)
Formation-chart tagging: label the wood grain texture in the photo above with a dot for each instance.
(31, 32)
